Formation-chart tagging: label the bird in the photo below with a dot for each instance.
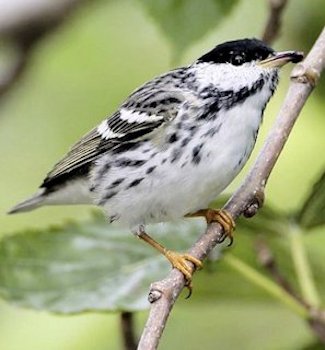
(173, 145)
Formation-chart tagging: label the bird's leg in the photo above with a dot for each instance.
(178, 260)
(220, 216)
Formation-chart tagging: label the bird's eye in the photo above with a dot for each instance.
(237, 60)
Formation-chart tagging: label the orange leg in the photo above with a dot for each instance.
(220, 216)
(178, 260)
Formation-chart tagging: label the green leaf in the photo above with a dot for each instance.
(312, 213)
(185, 21)
(89, 266)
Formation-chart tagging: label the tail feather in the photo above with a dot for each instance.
(29, 204)
(71, 192)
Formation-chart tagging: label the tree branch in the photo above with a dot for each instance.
(273, 24)
(127, 327)
(163, 294)
(316, 316)
(13, 73)
(22, 25)
(266, 258)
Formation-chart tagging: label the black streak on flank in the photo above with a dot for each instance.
(192, 129)
(117, 182)
(135, 182)
(150, 170)
(107, 197)
(138, 162)
(175, 155)
(124, 162)
(185, 141)
(173, 138)
(211, 132)
(196, 158)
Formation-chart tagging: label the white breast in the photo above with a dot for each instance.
(175, 189)
(172, 191)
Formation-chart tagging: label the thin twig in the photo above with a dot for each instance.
(127, 327)
(317, 324)
(316, 316)
(273, 24)
(163, 294)
(266, 258)
(259, 280)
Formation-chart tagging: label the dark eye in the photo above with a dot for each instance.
(237, 60)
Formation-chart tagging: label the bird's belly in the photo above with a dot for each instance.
(222, 159)
(183, 179)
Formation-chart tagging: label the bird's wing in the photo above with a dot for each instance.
(143, 112)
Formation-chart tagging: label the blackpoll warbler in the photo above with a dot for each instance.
(174, 145)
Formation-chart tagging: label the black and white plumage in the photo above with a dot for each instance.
(176, 142)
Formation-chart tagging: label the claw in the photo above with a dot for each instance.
(231, 241)
(222, 217)
(179, 262)
(190, 289)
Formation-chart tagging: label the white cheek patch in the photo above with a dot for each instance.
(226, 76)
(137, 117)
(106, 133)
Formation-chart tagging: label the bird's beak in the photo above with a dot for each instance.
(279, 59)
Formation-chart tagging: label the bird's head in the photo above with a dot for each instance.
(250, 53)
(241, 64)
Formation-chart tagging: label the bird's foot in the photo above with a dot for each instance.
(179, 262)
(220, 216)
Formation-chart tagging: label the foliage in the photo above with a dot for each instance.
(82, 266)
(95, 266)
(185, 21)
(85, 266)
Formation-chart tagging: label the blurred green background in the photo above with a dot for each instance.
(81, 73)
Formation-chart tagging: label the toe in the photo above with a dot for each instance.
(184, 269)
(223, 218)
(198, 263)
(180, 262)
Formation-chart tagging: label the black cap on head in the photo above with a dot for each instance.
(238, 52)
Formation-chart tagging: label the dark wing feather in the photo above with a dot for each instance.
(145, 110)
(80, 154)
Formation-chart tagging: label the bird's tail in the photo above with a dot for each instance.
(29, 204)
